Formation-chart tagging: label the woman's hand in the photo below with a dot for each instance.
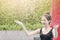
(21, 24)
(18, 22)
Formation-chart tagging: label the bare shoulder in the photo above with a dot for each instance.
(53, 30)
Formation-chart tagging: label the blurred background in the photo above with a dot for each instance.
(27, 11)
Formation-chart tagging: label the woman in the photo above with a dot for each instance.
(46, 32)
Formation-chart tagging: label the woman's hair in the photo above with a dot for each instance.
(47, 16)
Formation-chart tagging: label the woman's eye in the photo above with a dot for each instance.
(43, 20)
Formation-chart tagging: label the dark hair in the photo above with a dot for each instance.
(48, 17)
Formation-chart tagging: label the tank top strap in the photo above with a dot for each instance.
(40, 30)
(51, 30)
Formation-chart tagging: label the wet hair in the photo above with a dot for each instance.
(47, 16)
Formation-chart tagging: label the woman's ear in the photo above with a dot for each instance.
(49, 21)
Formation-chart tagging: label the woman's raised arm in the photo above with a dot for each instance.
(26, 31)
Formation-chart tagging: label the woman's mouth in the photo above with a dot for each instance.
(43, 23)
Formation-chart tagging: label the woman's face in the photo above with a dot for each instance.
(44, 21)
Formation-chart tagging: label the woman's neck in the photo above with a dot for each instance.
(47, 27)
